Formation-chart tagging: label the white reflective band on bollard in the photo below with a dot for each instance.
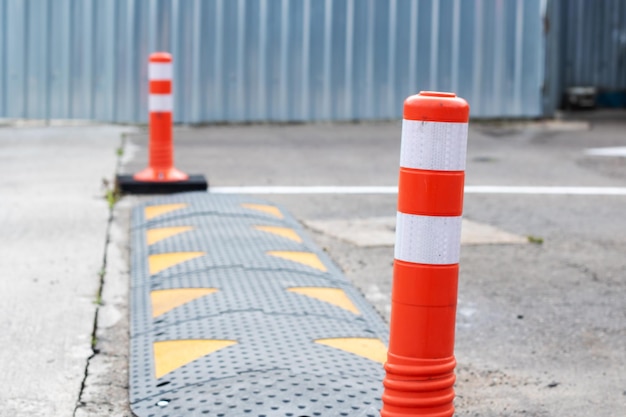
(431, 240)
(159, 71)
(436, 146)
(160, 103)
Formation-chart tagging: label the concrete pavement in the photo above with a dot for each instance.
(55, 221)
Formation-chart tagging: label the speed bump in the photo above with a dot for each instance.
(235, 311)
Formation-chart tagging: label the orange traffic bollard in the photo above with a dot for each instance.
(161, 176)
(420, 362)
(161, 165)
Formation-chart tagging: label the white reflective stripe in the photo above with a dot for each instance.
(430, 240)
(437, 146)
(159, 71)
(160, 102)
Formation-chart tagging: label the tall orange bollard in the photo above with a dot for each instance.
(160, 176)
(420, 363)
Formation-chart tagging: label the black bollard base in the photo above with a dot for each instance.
(126, 184)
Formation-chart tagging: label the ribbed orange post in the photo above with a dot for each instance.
(160, 105)
(420, 364)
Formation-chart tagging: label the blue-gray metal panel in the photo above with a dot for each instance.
(15, 59)
(85, 45)
(3, 54)
(59, 68)
(281, 60)
(532, 57)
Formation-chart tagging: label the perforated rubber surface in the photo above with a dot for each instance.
(235, 312)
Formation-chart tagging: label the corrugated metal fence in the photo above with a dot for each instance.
(268, 60)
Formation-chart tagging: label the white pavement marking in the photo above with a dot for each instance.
(315, 189)
(556, 190)
(469, 189)
(616, 151)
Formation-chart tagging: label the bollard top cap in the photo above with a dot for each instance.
(161, 57)
(434, 106)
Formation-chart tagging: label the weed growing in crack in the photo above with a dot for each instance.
(111, 193)
(98, 300)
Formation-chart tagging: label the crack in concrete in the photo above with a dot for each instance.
(102, 274)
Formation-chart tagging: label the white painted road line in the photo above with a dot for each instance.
(315, 189)
(469, 189)
(506, 189)
(616, 151)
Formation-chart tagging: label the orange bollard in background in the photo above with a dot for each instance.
(160, 176)
(160, 105)
(420, 363)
